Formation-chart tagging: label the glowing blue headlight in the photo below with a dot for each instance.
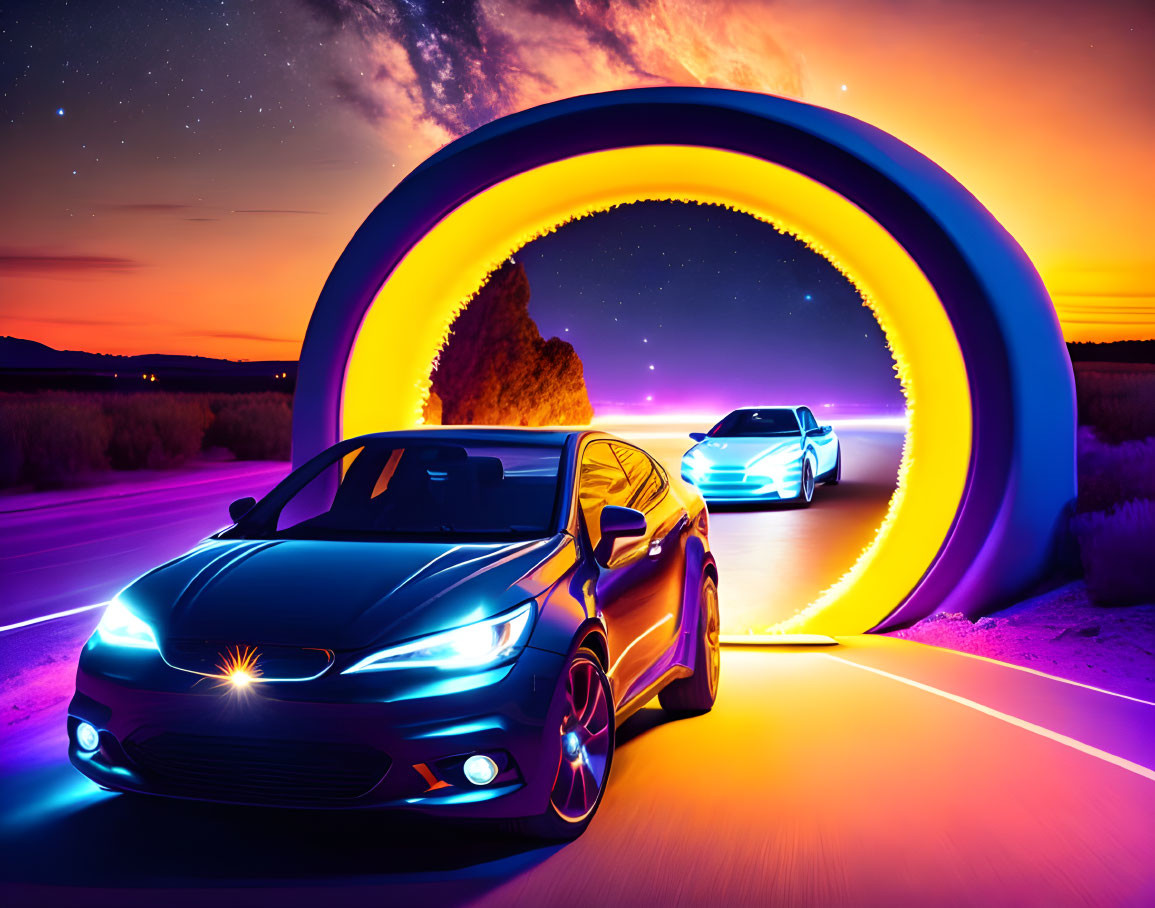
(120, 627)
(478, 645)
(695, 462)
(480, 769)
(87, 737)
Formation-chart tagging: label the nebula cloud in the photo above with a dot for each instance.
(425, 73)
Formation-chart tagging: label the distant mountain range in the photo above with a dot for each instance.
(28, 365)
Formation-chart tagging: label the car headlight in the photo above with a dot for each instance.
(479, 645)
(120, 627)
(695, 461)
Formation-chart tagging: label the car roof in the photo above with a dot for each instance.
(514, 435)
(770, 407)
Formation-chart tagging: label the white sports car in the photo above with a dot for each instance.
(764, 454)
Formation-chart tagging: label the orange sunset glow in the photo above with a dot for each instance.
(184, 185)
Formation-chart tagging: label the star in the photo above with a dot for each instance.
(809, 297)
(60, 111)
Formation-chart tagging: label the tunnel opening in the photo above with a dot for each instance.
(677, 314)
(990, 468)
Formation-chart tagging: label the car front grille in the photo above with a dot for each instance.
(258, 770)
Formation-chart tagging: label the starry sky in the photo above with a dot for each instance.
(180, 175)
(670, 312)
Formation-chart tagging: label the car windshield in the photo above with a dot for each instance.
(757, 424)
(412, 487)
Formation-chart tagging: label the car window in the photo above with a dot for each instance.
(647, 479)
(602, 481)
(391, 487)
(757, 424)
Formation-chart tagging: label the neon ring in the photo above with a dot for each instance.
(988, 468)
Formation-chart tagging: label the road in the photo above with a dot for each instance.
(876, 772)
(773, 560)
(872, 772)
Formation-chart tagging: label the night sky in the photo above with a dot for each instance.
(676, 307)
(180, 175)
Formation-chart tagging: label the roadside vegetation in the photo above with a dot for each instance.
(50, 439)
(1115, 523)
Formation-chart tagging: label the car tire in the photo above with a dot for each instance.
(806, 488)
(835, 475)
(570, 809)
(696, 694)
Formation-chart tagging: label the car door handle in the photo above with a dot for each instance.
(655, 548)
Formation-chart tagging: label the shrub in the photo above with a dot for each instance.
(1112, 474)
(1117, 401)
(1117, 547)
(155, 430)
(253, 426)
(55, 439)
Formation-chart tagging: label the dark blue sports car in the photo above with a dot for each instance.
(446, 620)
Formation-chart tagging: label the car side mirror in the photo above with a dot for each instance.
(698, 436)
(240, 508)
(617, 523)
(818, 431)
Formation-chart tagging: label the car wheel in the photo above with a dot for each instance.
(585, 753)
(806, 491)
(835, 476)
(697, 693)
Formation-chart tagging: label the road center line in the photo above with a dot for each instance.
(1055, 736)
(52, 617)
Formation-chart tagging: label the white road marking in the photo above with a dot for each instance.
(53, 616)
(1055, 736)
(1034, 671)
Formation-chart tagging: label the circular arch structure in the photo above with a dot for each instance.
(988, 472)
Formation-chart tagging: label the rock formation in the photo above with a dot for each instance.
(497, 369)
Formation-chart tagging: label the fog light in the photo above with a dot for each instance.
(480, 769)
(87, 737)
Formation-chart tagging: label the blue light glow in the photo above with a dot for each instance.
(466, 797)
(480, 769)
(87, 737)
(120, 627)
(476, 645)
(465, 728)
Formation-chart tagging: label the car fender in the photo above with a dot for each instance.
(699, 561)
(568, 610)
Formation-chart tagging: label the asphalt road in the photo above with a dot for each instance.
(877, 772)
(773, 560)
(874, 772)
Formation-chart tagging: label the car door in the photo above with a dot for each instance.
(630, 593)
(668, 525)
(825, 450)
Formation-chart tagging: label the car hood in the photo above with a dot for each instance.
(338, 595)
(740, 452)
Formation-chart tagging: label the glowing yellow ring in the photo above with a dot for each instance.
(387, 372)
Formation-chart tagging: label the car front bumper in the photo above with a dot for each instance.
(735, 486)
(394, 739)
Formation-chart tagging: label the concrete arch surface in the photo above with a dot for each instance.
(968, 317)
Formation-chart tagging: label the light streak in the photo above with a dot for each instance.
(52, 617)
